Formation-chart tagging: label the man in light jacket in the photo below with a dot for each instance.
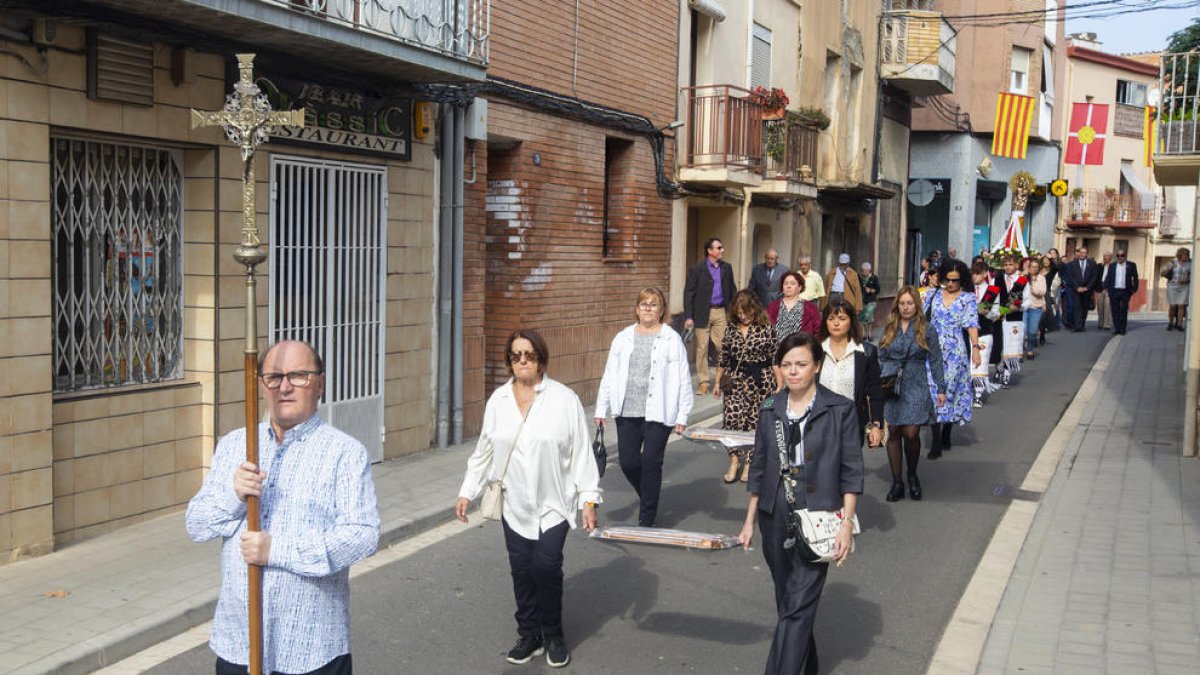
(842, 281)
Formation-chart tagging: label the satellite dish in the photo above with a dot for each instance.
(920, 192)
(1153, 97)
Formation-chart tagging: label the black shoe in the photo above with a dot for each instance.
(527, 647)
(946, 444)
(1042, 340)
(557, 655)
(914, 487)
(896, 493)
(935, 452)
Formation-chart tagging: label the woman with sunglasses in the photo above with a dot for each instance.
(955, 315)
(535, 438)
(648, 387)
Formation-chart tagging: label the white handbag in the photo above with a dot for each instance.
(818, 529)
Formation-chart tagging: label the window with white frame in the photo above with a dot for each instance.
(760, 65)
(1131, 93)
(1019, 71)
(117, 214)
(1051, 27)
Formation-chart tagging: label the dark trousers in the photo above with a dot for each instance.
(798, 586)
(640, 446)
(537, 573)
(1079, 303)
(1118, 302)
(338, 666)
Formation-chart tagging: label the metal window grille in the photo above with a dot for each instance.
(328, 282)
(117, 213)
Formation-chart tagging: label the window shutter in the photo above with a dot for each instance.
(760, 68)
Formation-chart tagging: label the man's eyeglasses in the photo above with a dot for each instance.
(518, 357)
(1121, 256)
(296, 378)
(651, 306)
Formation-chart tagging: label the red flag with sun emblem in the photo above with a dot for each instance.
(1085, 139)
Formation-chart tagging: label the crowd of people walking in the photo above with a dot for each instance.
(798, 368)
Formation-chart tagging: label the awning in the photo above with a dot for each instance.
(710, 8)
(1145, 196)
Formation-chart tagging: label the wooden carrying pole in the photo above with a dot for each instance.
(248, 121)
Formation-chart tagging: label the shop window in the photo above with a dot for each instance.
(117, 216)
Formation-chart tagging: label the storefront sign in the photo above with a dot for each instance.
(346, 119)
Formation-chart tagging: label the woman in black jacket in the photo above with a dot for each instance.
(815, 434)
(851, 368)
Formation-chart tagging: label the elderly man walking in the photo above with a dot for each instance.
(708, 289)
(814, 288)
(318, 518)
(842, 282)
(766, 277)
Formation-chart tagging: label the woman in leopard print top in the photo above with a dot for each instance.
(746, 358)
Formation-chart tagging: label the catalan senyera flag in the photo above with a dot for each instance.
(1086, 133)
(1149, 137)
(1014, 114)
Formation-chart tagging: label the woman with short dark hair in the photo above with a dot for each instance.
(790, 313)
(808, 455)
(536, 439)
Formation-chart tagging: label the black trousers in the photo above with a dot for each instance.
(798, 586)
(1118, 302)
(1079, 302)
(537, 573)
(338, 666)
(640, 447)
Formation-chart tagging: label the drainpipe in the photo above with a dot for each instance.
(460, 118)
(445, 269)
(1192, 350)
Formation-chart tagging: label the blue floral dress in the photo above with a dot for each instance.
(950, 323)
(915, 405)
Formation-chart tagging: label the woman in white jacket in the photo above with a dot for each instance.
(648, 387)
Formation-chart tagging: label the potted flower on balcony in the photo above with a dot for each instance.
(813, 117)
(774, 101)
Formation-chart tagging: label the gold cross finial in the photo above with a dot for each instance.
(248, 122)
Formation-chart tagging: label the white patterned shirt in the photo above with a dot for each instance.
(318, 505)
(838, 375)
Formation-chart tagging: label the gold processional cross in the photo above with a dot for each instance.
(248, 122)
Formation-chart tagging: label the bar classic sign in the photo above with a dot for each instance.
(347, 119)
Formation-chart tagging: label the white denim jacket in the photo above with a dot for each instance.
(669, 399)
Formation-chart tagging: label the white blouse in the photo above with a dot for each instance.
(838, 375)
(552, 473)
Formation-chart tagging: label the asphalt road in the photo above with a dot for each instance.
(644, 609)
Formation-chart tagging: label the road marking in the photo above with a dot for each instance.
(168, 649)
(962, 642)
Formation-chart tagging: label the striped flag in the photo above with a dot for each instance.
(1014, 113)
(1149, 137)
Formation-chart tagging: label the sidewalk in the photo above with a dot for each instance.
(1108, 579)
(128, 590)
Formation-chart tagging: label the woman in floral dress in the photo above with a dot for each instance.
(952, 311)
(747, 357)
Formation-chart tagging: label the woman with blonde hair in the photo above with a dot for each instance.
(648, 387)
(910, 356)
(745, 373)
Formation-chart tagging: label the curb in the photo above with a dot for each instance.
(960, 649)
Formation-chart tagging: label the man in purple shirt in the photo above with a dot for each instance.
(708, 288)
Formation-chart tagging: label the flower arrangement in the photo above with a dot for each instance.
(1014, 296)
(813, 117)
(995, 257)
(989, 297)
(771, 99)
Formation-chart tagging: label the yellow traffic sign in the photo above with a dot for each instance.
(1058, 188)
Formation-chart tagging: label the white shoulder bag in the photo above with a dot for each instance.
(491, 503)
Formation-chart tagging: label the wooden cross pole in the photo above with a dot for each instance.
(248, 121)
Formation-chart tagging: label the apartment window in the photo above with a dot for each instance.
(1019, 72)
(117, 218)
(619, 201)
(1131, 93)
(760, 65)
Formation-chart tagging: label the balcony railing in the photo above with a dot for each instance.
(1179, 107)
(724, 128)
(791, 150)
(1129, 120)
(917, 51)
(1099, 208)
(456, 28)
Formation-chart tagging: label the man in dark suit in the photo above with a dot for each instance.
(766, 277)
(704, 301)
(1080, 276)
(1121, 282)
